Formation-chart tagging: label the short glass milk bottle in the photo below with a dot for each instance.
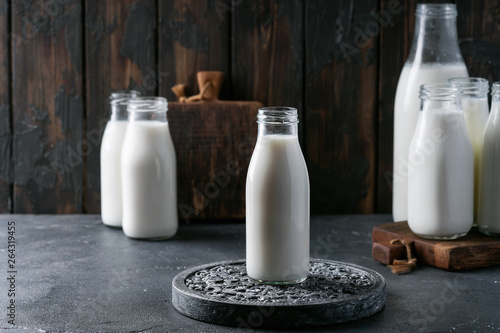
(277, 201)
(434, 57)
(441, 166)
(489, 192)
(111, 152)
(149, 175)
(475, 106)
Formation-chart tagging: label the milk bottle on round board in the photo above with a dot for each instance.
(441, 163)
(434, 57)
(149, 174)
(111, 152)
(489, 192)
(475, 106)
(277, 201)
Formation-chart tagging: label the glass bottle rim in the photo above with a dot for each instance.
(118, 96)
(495, 89)
(440, 91)
(148, 104)
(436, 10)
(277, 115)
(471, 85)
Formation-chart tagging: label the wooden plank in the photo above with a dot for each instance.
(268, 53)
(395, 42)
(120, 51)
(5, 113)
(47, 107)
(214, 142)
(194, 36)
(341, 105)
(474, 250)
(478, 26)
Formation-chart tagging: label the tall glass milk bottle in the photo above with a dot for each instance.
(489, 195)
(111, 152)
(149, 176)
(277, 201)
(475, 106)
(434, 57)
(441, 159)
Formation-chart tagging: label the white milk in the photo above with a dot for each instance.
(489, 197)
(149, 181)
(406, 109)
(277, 210)
(111, 183)
(476, 116)
(441, 177)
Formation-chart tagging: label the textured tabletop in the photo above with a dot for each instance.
(73, 274)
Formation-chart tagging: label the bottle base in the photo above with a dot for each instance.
(445, 237)
(288, 282)
(152, 239)
(487, 233)
(112, 226)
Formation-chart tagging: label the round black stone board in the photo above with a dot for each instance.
(334, 292)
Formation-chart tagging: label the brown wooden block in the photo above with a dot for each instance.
(214, 142)
(475, 250)
(386, 253)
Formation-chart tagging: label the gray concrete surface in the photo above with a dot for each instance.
(73, 274)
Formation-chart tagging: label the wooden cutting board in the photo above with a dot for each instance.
(472, 251)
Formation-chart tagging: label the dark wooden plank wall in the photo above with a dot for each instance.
(120, 44)
(5, 113)
(337, 61)
(47, 107)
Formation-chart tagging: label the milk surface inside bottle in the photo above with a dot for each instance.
(111, 152)
(441, 162)
(434, 57)
(475, 106)
(489, 195)
(149, 175)
(277, 201)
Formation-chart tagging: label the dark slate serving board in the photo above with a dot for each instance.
(334, 292)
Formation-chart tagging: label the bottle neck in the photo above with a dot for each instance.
(435, 39)
(148, 109)
(277, 120)
(495, 92)
(119, 111)
(277, 129)
(119, 102)
(440, 97)
(472, 87)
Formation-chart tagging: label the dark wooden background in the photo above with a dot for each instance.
(60, 59)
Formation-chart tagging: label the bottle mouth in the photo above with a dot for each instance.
(472, 85)
(147, 104)
(495, 89)
(443, 10)
(277, 115)
(121, 97)
(440, 91)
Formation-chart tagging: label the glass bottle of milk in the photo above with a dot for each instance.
(441, 166)
(475, 106)
(489, 195)
(111, 152)
(277, 201)
(149, 176)
(434, 57)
